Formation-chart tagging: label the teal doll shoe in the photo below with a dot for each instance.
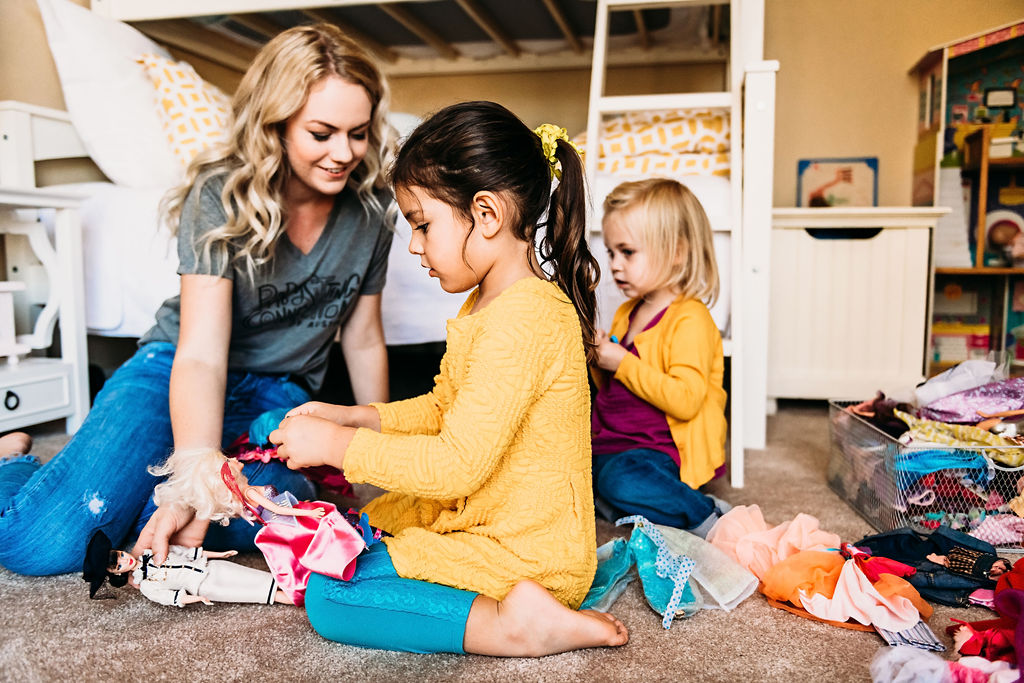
(614, 560)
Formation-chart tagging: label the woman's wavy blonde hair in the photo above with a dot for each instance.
(193, 480)
(670, 223)
(274, 88)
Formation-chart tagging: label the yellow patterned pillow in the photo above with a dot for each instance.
(194, 113)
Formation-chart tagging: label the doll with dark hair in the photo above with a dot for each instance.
(973, 563)
(188, 575)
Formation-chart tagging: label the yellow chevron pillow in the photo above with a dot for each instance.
(194, 113)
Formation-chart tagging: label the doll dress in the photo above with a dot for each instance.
(296, 547)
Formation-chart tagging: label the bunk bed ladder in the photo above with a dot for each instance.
(749, 284)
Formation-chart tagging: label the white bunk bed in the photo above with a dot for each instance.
(738, 202)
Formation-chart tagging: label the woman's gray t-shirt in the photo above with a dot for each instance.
(285, 321)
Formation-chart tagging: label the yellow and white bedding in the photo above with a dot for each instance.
(691, 146)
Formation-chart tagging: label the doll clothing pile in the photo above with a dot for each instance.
(833, 588)
(968, 405)
(935, 582)
(963, 436)
(912, 665)
(745, 537)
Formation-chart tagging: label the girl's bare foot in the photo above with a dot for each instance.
(530, 622)
(15, 443)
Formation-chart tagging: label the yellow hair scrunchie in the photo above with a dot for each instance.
(549, 135)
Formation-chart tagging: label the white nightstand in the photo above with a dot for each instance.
(34, 390)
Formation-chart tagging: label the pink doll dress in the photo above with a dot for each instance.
(296, 547)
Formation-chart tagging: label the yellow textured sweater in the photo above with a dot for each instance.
(680, 371)
(490, 473)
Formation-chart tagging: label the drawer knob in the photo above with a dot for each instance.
(11, 400)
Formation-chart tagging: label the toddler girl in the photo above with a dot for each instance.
(490, 505)
(659, 416)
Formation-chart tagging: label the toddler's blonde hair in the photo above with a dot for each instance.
(193, 479)
(670, 224)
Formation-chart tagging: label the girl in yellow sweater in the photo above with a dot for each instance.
(490, 508)
(659, 416)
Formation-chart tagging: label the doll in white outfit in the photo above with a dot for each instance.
(188, 575)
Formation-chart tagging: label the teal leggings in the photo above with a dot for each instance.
(377, 608)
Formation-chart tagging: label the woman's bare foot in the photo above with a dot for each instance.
(530, 622)
(14, 443)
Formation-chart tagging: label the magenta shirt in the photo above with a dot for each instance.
(623, 421)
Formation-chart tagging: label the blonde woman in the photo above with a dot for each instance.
(283, 240)
(659, 416)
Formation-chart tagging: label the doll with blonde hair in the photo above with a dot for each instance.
(215, 488)
(283, 236)
(658, 421)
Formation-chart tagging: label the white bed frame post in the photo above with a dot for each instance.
(753, 267)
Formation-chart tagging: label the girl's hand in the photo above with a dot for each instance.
(327, 411)
(307, 441)
(316, 512)
(609, 353)
(345, 416)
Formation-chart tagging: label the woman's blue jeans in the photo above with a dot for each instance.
(643, 481)
(99, 480)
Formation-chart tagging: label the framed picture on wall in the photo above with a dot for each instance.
(837, 181)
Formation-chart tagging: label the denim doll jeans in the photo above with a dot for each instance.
(643, 481)
(99, 480)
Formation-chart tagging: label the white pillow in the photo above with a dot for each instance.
(108, 95)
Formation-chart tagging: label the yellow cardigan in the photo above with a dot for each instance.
(679, 371)
(490, 473)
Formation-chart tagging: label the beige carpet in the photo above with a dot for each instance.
(50, 630)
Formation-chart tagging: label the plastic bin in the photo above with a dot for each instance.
(892, 485)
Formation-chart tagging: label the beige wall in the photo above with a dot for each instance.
(552, 96)
(843, 88)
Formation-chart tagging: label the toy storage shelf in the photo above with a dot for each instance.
(996, 283)
(967, 114)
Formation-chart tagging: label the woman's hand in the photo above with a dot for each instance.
(172, 523)
(609, 353)
(308, 441)
(315, 512)
(345, 416)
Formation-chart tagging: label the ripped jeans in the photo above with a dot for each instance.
(99, 479)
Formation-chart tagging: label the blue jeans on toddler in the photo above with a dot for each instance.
(643, 481)
(379, 609)
(99, 479)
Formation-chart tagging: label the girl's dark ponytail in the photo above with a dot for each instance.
(471, 146)
(565, 247)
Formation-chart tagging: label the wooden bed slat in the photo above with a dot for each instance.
(375, 46)
(425, 33)
(563, 25)
(188, 36)
(487, 22)
(641, 28)
(258, 24)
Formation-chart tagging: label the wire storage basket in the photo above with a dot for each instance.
(893, 485)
